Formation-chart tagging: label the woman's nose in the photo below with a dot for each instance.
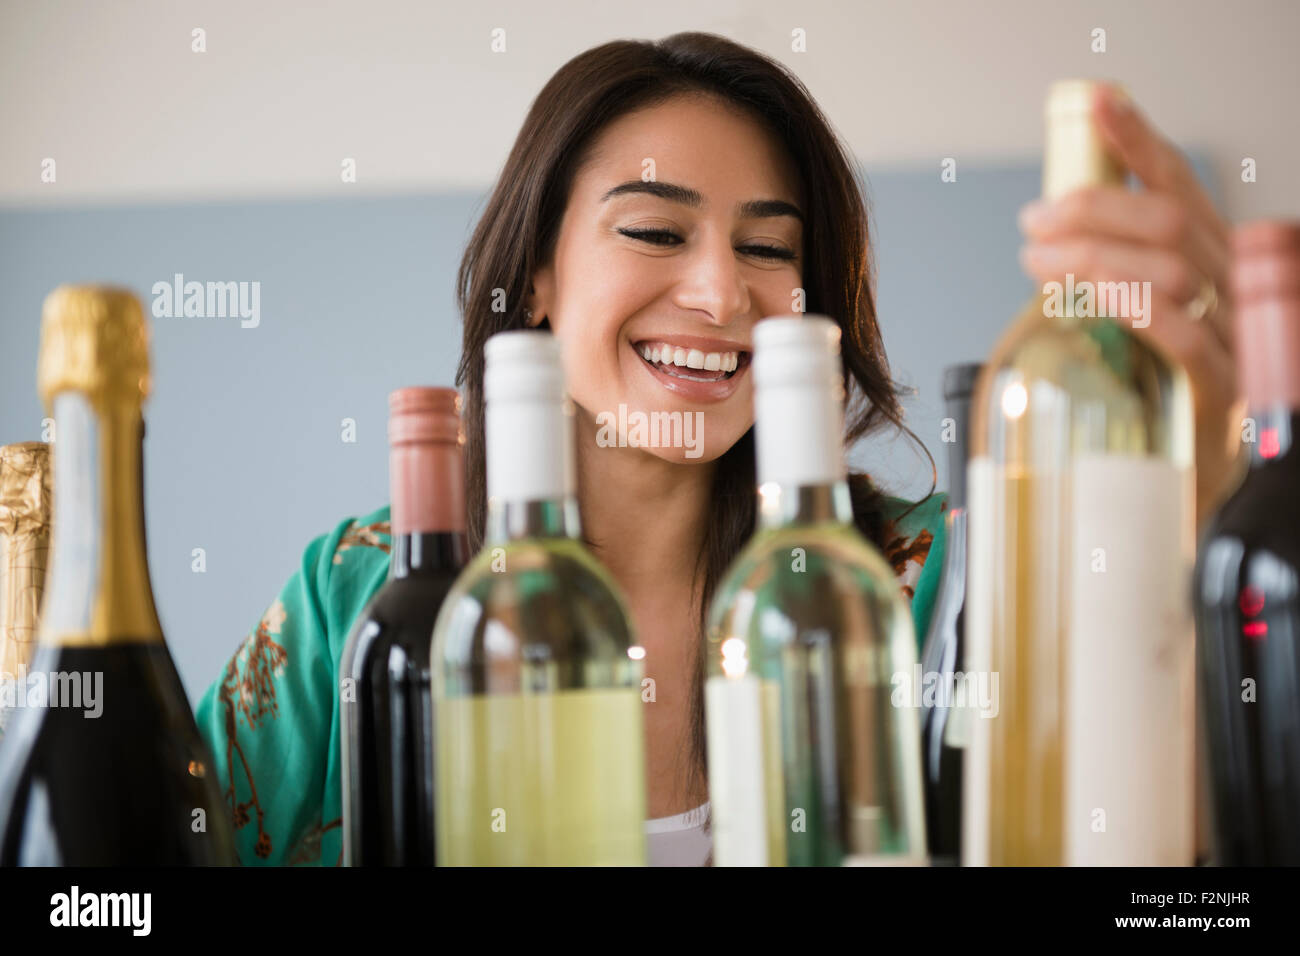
(713, 283)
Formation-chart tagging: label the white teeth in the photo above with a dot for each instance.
(662, 352)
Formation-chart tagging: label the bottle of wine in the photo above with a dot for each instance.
(810, 761)
(387, 710)
(1081, 549)
(945, 726)
(111, 769)
(24, 549)
(1248, 574)
(540, 758)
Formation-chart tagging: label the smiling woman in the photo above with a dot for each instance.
(660, 200)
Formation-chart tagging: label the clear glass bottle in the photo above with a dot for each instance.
(539, 753)
(810, 762)
(1081, 546)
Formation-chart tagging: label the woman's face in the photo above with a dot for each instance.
(682, 230)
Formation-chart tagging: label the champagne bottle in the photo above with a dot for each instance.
(810, 761)
(540, 758)
(945, 726)
(111, 770)
(1081, 547)
(24, 550)
(1248, 574)
(387, 711)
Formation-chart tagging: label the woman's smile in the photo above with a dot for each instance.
(700, 369)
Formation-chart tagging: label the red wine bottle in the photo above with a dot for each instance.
(386, 699)
(102, 763)
(1248, 574)
(942, 737)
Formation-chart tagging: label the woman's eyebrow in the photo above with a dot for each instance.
(753, 209)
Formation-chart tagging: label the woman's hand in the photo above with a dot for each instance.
(1171, 236)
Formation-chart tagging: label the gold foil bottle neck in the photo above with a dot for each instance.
(1076, 154)
(25, 488)
(25, 499)
(94, 340)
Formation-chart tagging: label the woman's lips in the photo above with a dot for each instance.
(696, 384)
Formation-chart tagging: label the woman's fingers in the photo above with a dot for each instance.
(1151, 157)
(1171, 275)
(1113, 260)
(1154, 219)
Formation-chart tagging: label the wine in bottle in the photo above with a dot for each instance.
(25, 481)
(1081, 548)
(110, 769)
(536, 673)
(386, 707)
(810, 762)
(945, 726)
(1248, 574)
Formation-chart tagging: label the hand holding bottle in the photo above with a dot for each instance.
(1169, 235)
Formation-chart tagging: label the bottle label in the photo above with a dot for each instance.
(737, 790)
(1129, 734)
(1079, 598)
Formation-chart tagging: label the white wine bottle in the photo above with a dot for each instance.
(539, 755)
(1081, 550)
(109, 769)
(810, 762)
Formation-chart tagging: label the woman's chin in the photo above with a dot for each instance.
(676, 436)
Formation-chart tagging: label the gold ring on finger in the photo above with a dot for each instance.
(1206, 301)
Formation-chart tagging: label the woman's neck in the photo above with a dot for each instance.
(643, 517)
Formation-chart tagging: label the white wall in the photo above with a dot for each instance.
(412, 91)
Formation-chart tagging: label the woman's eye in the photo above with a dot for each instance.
(656, 237)
(662, 237)
(768, 252)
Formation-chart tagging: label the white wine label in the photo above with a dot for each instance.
(1129, 717)
(979, 640)
(737, 792)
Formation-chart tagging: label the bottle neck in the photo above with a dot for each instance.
(800, 453)
(538, 518)
(1275, 430)
(958, 451)
(98, 592)
(791, 504)
(427, 508)
(23, 557)
(420, 553)
(1075, 156)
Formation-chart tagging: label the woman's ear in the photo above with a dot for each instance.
(537, 302)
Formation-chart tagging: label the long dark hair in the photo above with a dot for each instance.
(517, 232)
